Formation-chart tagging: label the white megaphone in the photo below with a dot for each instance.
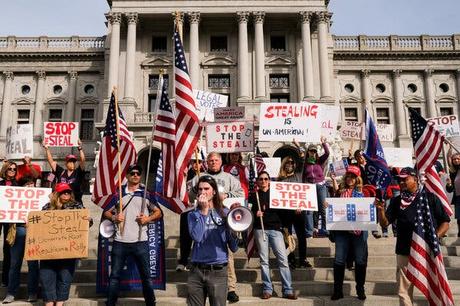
(239, 219)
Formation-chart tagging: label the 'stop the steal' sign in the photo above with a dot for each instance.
(446, 125)
(286, 121)
(226, 137)
(19, 141)
(61, 134)
(17, 202)
(293, 196)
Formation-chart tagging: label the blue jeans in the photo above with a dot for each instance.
(17, 255)
(139, 251)
(344, 240)
(309, 224)
(275, 240)
(321, 195)
(56, 277)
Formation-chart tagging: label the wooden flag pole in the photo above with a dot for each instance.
(120, 203)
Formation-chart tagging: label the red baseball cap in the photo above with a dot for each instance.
(70, 157)
(407, 171)
(61, 187)
(354, 170)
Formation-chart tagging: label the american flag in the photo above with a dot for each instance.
(169, 203)
(188, 129)
(106, 183)
(259, 161)
(250, 241)
(426, 266)
(427, 145)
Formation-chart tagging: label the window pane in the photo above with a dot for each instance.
(159, 44)
(152, 102)
(282, 98)
(446, 111)
(87, 114)
(154, 79)
(351, 114)
(218, 43)
(55, 115)
(279, 80)
(87, 124)
(278, 43)
(23, 116)
(219, 81)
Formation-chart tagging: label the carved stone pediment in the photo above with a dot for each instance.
(23, 101)
(56, 101)
(445, 98)
(278, 60)
(218, 60)
(413, 99)
(350, 99)
(156, 61)
(381, 99)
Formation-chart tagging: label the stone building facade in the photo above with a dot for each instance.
(253, 51)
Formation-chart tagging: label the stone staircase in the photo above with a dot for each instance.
(313, 285)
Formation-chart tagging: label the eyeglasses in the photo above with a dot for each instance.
(133, 173)
(263, 179)
(12, 169)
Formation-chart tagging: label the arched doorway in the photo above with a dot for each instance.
(142, 159)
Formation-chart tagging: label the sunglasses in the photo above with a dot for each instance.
(133, 173)
(12, 169)
(263, 179)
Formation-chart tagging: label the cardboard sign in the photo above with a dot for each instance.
(57, 234)
(398, 157)
(229, 113)
(272, 166)
(19, 141)
(284, 195)
(385, 132)
(226, 137)
(351, 214)
(330, 115)
(286, 121)
(352, 130)
(206, 102)
(447, 125)
(61, 134)
(17, 202)
(339, 167)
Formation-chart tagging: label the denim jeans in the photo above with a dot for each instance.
(275, 240)
(344, 240)
(203, 283)
(321, 195)
(56, 277)
(140, 253)
(309, 224)
(17, 255)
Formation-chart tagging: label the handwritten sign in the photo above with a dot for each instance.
(293, 196)
(330, 115)
(60, 134)
(352, 130)
(285, 121)
(398, 157)
(339, 167)
(17, 202)
(229, 113)
(206, 102)
(57, 234)
(385, 132)
(447, 125)
(19, 141)
(227, 137)
(272, 166)
(350, 214)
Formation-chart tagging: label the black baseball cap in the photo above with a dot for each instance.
(135, 167)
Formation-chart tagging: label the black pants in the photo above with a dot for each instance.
(6, 254)
(298, 221)
(184, 239)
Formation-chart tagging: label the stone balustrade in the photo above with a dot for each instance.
(397, 43)
(51, 44)
(144, 117)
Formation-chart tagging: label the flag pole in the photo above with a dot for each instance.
(120, 202)
(256, 192)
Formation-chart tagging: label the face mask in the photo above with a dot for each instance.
(311, 160)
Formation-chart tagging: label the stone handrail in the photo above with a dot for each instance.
(144, 117)
(51, 44)
(397, 43)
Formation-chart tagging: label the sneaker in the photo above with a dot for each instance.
(181, 268)
(32, 298)
(8, 299)
(291, 296)
(304, 264)
(376, 235)
(232, 297)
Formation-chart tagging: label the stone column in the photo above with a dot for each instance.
(39, 101)
(115, 20)
(6, 109)
(458, 90)
(243, 57)
(323, 39)
(130, 56)
(305, 18)
(401, 127)
(260, 54)
(429, 95)
(365, 91)
(70, 114)
(194, 49)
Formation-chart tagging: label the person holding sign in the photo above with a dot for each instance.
(273, 238)
(453, 184)
(72, 174)
(350, 187)
(56, 275)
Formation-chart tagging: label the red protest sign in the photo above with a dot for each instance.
(17, 202)
(285, 195)
(226, 137)
(60, 134)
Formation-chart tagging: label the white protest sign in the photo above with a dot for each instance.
(228, 202)
(351, 214)
(206, 102)
(398, 157)
(385, 132)
(330, 115)
(352, 130)
(446, 125)
(226, 137)
(293, 196)
(19, 141)
(339, 167)
(60, 134)
(17, 202)
(272, 166)
(286, 121)
(229, 113)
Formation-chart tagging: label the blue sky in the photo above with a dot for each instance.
(351, 17)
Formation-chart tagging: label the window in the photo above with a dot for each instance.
(152, 103)
(412, 88)
(444, 87)
(380, 88)
(446, 111)
(55, 115)
(351, 114)
(89, 89)
(155, 78)
(159, 44)
(349, 88)
(283, 98)
(87, 124)
(218, 81)
(25, 89)
(383, 115)
(278, 43)
(57, 89)
(418, 110)
(279, 81)
(218, 43)
(23, 116)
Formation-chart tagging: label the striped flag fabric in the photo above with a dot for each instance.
(426, 265)
(250, 240)
(259, 161)
(188, 129)
(428, 142)
(106, 183)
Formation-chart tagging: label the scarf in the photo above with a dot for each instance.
(406, 198)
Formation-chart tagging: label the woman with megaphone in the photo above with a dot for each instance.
(212, 239)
